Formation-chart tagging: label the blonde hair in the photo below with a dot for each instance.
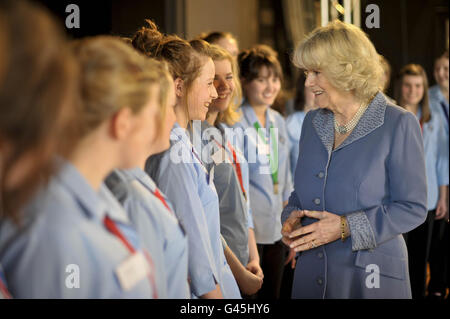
(232, 114)
(346, 56)
(113, 76)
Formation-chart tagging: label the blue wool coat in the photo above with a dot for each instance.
(376, 177)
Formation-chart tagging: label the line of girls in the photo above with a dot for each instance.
(94, 203)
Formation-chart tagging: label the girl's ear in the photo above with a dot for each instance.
(179, 87)
(121, 123)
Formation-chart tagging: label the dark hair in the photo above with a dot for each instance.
(415, 70)
(443, 55)
(251, 61)
(36, 102)
(215, 36)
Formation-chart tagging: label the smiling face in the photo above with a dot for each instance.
(326, 96)
(262, 90)
(224, 84)
(202, 92)
(441, 72)
(412, 89)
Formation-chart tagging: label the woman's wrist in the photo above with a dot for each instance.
(345, 229)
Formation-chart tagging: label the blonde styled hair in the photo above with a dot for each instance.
(232, 114)
(113, 76)
(345, 55)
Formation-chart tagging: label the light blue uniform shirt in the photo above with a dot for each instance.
(439, 106)
(185, 181)
(168, 244)
(294, 124)
(239, 148)
(62, 236)
(218, 159)
(436, 157)
(266, 205)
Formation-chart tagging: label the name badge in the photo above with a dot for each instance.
(218, 157)
(132, 270)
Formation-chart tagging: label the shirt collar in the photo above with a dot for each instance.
(373, 117)
(251, 118)
(114, 209)
(84, 194)
(435, 91)
(143, 178)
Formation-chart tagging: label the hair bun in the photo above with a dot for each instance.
(148, 39)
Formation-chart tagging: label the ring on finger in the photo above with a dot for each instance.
(313, 245)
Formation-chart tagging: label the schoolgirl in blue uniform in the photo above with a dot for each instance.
(231, 170)
(180, 173)
(36, 107)
(412, 94)
(148, 208)
(268, 157)
(74, 240)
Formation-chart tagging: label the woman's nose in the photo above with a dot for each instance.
(309, 81)
(213, 93)
(223, 86)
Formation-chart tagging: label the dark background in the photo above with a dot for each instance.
(411, 31)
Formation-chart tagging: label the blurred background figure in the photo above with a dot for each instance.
(412, 94)
(440, 244)
(38, 79)
(223, 39)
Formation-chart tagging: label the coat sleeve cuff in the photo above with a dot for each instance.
(361, 231)
(287, 212)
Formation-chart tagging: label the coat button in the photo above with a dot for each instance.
(319, 281)
(320, 255)
(321, 175)
(317, 201)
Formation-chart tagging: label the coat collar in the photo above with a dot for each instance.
(373, 117)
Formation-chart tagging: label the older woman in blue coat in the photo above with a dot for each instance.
(360, 178)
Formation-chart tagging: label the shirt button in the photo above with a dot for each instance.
(321, 175)
(320, 255)
(317, 201)
(319, 281)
